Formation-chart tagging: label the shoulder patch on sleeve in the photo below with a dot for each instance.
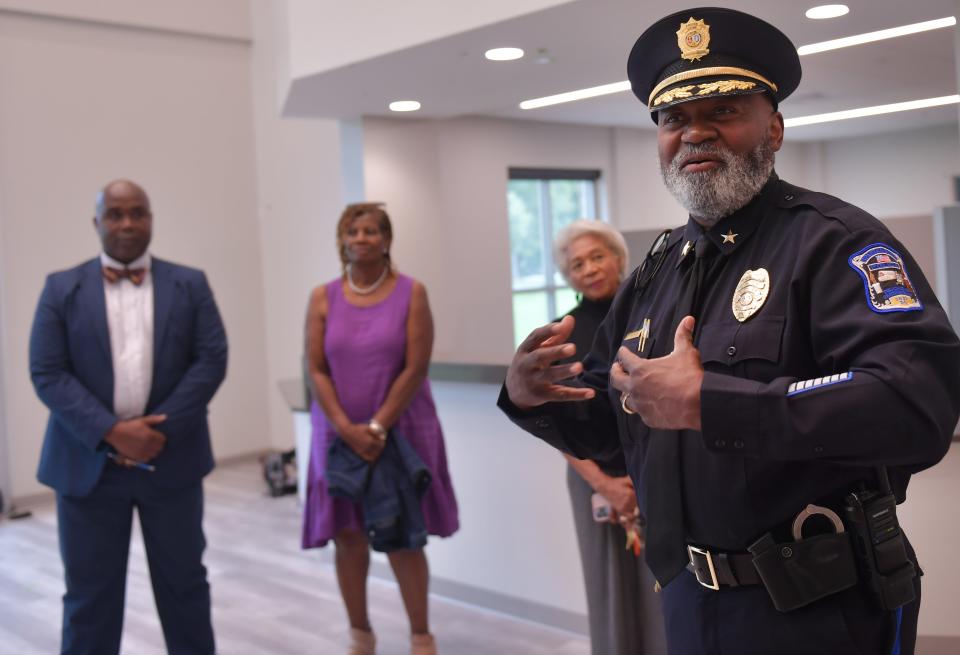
(885, 280)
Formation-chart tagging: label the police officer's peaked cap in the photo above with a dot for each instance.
(708, 52)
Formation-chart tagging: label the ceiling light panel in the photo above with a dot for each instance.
(880, 35)
(581, 94)
(949, 21)
(871, 111)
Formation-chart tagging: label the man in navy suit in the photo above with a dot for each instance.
(126, 351)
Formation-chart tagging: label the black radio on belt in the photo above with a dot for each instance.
(879, 544)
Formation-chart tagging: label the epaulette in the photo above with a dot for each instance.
(851, 216)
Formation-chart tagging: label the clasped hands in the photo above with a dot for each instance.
(361, 438)
(664, 392)
(136, 440)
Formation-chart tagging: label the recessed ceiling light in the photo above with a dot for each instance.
(570, 96)
(503, 54)
(869, 37)
(827, 11)
(872, 111)
(404, 105)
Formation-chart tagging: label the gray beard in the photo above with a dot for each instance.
(711, 195)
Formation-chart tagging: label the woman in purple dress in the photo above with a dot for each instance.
(369, 334)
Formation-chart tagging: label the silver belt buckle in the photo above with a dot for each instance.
(712, 583)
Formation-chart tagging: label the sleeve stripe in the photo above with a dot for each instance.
(816, 383)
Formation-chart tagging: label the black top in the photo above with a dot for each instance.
(849, 362)
(588, 315)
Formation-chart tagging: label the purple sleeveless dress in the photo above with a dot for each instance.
(365, 348)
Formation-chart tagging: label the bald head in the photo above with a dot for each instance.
(123, 220)
(120, 187)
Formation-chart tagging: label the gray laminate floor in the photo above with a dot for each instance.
(269, 597)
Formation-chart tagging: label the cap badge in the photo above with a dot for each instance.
(693, 37)
(751, 293)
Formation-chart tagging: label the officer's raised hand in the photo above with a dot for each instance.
(665, 391)
(532, 377)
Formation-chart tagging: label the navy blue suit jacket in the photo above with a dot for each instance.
(72, 371)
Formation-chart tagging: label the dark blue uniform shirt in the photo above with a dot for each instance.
(849, 362)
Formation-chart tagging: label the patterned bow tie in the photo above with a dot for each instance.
(114, 275)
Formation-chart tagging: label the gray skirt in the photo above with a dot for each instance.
(623, 609)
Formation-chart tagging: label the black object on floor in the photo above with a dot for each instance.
(280, 472)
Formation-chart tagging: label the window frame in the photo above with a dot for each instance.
(544, 176)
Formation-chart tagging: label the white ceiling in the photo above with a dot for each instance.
(587, 42)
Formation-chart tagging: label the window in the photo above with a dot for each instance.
(540, 203)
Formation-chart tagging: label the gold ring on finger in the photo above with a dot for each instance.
(623, 403)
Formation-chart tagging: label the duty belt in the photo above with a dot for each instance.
(713, 569)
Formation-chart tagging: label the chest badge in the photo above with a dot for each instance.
(752, 291)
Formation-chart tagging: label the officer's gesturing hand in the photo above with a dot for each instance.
(532, 377)
(665, 392)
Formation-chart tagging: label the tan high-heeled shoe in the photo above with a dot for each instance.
(362, 642)
(423, 644)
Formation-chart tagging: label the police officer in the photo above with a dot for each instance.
(740, 370)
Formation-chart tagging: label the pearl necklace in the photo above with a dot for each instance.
(363, 291)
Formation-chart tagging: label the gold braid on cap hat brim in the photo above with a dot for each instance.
(705, 72)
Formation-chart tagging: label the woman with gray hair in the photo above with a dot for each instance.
(625, 616)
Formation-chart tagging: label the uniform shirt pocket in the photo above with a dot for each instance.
(730, 344)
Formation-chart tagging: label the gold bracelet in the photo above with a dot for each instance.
(623, 404)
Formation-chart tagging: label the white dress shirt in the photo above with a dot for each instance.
(130, 323)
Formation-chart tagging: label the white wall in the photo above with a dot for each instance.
(517, 535)
(926, 518)
(300, 196)
(403, 169)
(221, 18)
(641, 201)
(445, 182)
(901, 174)
(5, 464)
(83, 103)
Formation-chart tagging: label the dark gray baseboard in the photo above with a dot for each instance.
(566, 620)
(937, 645)
(493, 601)
(456, 372)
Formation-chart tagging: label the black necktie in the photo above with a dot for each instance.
(666, 547)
